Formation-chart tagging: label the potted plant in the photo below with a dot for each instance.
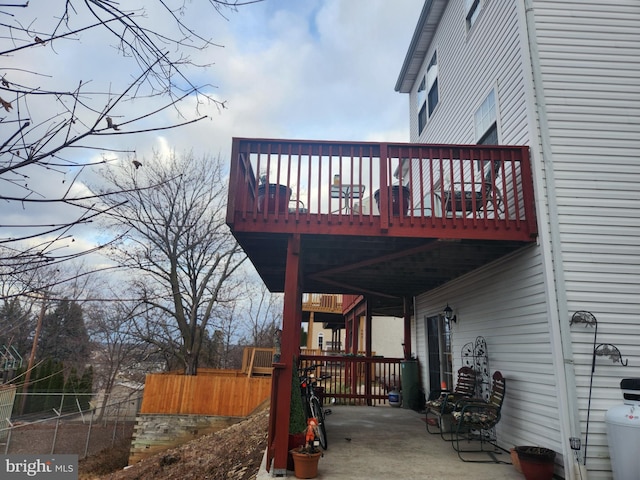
(537, 463)
(306, 457)
(297, 417)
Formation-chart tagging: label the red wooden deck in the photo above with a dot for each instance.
(328, 193)
(385, 221)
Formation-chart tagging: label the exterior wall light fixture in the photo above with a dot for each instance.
(448, 314)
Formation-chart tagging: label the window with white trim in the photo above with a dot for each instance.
(485, 120)
(320, 340)
(422, 105)
(428, 96)
(432, 83)
(472, 10)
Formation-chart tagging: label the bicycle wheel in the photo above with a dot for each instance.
(316, 412)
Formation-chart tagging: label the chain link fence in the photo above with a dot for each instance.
(68, 428)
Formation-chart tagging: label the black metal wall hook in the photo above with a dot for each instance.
(608, 350)
(582, 316)
(601, 350)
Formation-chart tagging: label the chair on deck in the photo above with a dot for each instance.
(478, 196)
(442, 402)
(475, 420)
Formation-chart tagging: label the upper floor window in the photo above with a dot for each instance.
(422, 105)
(428, 93)
(472, 9)
(432, 83)
(485, 120)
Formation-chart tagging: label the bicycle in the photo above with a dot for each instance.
(313, 405)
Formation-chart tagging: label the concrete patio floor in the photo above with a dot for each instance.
(386, 442)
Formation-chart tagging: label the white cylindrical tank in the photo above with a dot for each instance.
(623, 432)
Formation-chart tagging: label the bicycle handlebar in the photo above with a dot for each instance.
(309, 368)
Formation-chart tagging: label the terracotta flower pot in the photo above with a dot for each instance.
(305, 464)
(295, 441)
(537, 463)
(515, 460)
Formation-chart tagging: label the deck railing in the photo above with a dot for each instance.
(303, 182)
(257, 361)
(355, 380)
(320, 302)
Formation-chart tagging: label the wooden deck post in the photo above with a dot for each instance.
(310, 330)
(368, 373)
(355, 334)
(290, 348)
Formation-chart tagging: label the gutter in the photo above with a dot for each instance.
(557, 305)
(426, 10)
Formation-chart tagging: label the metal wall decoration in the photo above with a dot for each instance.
(474, 355)
(599, 350)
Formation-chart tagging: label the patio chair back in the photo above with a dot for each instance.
(497, 391)
(466, 385)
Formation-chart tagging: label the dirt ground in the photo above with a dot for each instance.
(234, 453)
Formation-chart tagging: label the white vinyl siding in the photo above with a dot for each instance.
(469, 65)
(589, 58)
(505, 303)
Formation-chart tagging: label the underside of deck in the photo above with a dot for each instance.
(385, 269)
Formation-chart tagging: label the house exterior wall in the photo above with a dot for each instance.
(465, 59)
(387, 336)
(505, 303)
(326, 337)
(588, 55)
(565, 77)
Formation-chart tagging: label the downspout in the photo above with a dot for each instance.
(557, 305)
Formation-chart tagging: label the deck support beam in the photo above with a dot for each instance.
(290, 350)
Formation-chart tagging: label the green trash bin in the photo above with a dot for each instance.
(410, 383)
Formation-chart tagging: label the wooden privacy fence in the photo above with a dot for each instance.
(211, 392)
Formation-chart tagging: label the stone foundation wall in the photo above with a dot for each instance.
(154, 433)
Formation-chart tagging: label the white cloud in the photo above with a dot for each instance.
(312, 69)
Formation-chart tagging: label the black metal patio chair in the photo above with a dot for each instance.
(483, 195)
(442, 402)
(475, 421)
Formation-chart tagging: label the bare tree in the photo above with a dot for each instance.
(117, 350)
(262, 314)
(59, 123)
(226, 341)
(170, 217)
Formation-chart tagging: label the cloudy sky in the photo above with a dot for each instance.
(301, 69)
(321, 69)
